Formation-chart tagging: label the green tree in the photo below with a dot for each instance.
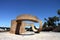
(59, 15)
(51, 21)
(55, 18)
(44, 25)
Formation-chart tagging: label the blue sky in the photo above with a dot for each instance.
(9, 9)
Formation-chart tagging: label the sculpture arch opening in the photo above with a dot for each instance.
(18, 26)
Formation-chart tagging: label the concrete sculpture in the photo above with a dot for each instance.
(18, 26)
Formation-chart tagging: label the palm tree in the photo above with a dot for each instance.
(55, 18)
(59, 13)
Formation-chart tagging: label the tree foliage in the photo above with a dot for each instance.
(51, 21)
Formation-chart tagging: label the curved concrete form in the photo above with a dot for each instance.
(18, 26)
(40, 28)
(35, 30)
(27, 17)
